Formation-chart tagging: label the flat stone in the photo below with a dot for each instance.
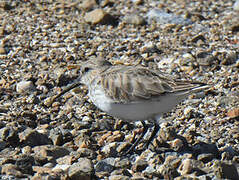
(10, 169)
(49, 150)
(103, 166)
(31, 137)
(118, 177)
(81, 170)
(225, 171)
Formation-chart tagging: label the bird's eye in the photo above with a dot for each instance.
(86, 69)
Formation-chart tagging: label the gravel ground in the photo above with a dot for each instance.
(40, 43)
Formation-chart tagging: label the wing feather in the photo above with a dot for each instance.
(134, 84)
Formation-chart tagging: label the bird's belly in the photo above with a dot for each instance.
(143, 110)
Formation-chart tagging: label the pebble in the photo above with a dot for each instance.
(139, 165)
(134, 19)
(25, 86)
(63, 167)
(99, 16)
(45, 50)
(83, 169)
(186, 167)
(118, 177)
(103, 166)
(236, 6)
(205, 158)
(31, 137)
(225, 171)
(162, 17)
(2, 50)
(46, 151)
(233, 113)
(10, 169)
(88, 4)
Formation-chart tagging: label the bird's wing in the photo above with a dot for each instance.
(132, 84)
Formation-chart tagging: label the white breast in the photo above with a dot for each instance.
(143, 110)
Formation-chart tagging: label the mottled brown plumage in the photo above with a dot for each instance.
(126, 84)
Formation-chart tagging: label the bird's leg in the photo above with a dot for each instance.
(145, 129)
(153, 134)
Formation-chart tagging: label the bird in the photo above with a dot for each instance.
(133, 93)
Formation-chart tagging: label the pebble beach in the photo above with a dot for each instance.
(42, 44)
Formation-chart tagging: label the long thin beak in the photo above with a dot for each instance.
(68, 88)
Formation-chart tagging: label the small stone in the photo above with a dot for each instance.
(2, 50)
(45, 176)
(40, 169)
(124, 172)
(85, 152)
(162, 17)
(51, 151)
(134, 19)
(9, 134)
(24, 163)
(118, 177)
(88, 4)
(233, 113)
(99, 16)
(167, 133)
(186, 167)
(202, 148)
(10, 169)
(236, 6)
(110, 149)
(205, 58)
(2, 31)
(123, 163)
(66, 160)
(138, 2)
(3, 144)
(103, 166)
(176, 144)
(31, 137)
(116, 137)
(25, 86)
(63, 167)
(83, 169)
(197, 38)
(205, 158)
(139, 165)
(56, 136)
(225, 171)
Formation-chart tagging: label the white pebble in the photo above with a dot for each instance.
(236, 6)
(25, 86)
